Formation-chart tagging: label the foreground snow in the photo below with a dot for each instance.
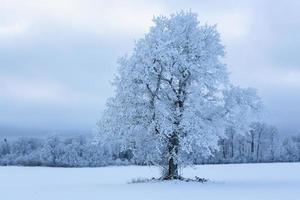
(238, 181)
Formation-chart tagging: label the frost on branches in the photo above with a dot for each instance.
(173, 97)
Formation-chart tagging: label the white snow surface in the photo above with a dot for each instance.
(235, 181)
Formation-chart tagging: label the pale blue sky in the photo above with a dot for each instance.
(57, 57)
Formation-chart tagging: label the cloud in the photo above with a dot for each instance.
(292, 78)
(62, 53)
(18, 89)
(100, 16)
(12, 29)
(22, 89)
(234, 26)
(117, 17)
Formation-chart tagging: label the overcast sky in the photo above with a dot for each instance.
(57, 57)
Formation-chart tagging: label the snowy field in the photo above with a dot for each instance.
(237, 181)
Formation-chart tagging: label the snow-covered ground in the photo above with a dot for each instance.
(238, 181)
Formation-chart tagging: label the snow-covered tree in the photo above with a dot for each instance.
(263, 142)
(4, 147)
(174, 92)
(290, 148)
(52, 151)
(259, 144)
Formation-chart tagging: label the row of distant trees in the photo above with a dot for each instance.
(54, 151)
(261, 144)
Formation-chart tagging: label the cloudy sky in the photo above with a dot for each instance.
(57, 57)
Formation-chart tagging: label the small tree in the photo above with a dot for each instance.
(174, 91)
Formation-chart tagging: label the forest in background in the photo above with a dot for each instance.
(262, 143)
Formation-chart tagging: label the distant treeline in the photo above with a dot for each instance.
(261, 144)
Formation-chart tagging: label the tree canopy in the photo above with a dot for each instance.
(173, 94)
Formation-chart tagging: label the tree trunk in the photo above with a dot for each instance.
(223, 148)
(252, 143)
(173, 145)
(173, 141)
(258, 147)
(232, 144)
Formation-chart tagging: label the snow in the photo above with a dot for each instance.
(237, 181)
